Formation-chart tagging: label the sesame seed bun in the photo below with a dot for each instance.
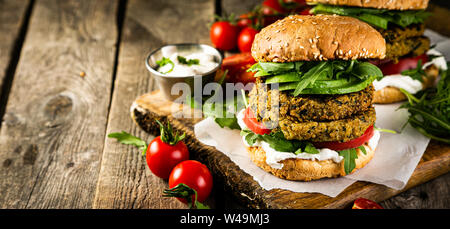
(379, 4)
(394, 95)
(307, 170)
(317, 38)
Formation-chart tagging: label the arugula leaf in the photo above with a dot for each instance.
(430, 110)
(416, 73)
(319, 77)
(350, 156)
(376, 17)
(310, 77)
(278, 142)
(165, 61)
(128, 139)
(189, 62)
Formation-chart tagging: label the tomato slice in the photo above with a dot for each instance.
(237, 66)
(363, 203)
(253, 124)
(346, 145)
(405, 63)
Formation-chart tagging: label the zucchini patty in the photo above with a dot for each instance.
(307, 107)
(339, 130)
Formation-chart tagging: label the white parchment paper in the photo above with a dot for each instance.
(395, 159)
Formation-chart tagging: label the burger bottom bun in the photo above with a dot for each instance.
(393, 94)
(305, 169)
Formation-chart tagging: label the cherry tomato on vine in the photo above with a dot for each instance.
(165, 152)
(246, 20)
(224, 35)
(195, 175)
(245, 39)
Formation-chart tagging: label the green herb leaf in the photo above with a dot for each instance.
(168, 135)
(165, 61)
(416, 73)
(184, 191)
(128, 139)
(376, 17)
(310, 77)
(188, 62)
(430, 110)
(350, 156)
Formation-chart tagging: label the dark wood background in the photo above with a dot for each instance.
(69, 71)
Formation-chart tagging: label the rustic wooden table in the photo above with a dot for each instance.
(69, 71)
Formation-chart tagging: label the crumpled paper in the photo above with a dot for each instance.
(395, 159)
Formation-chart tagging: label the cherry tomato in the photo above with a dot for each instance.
(406, 63)
(305, 12)
(237, 66)
(163, 157)
(347, 145)
(195, 175)
(223, 35)
(245, 39)
(362, 203)
(253, 124)
(246, 20)
(274, 5)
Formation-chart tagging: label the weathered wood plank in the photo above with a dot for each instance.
(53, 131)
(12, 21)
(238, 7)
(124, 180)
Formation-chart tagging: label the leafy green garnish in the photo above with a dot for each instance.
(167, 134)
(416, 73)
(278, 142)
(376, 17)
(319, 77)
(350, 156)
(185, 192)
(165, 61)
(188, 62)
(128, 139)
(430, 110)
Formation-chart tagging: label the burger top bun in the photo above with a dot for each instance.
(317, 38)
(379, 4)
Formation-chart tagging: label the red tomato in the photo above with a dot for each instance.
(362, 203)
(253, 124)
(246, 20)
(223, 35)
(346, 145)
(274, 5)
(195, 175)
(406, 63)
(305, 12)
(245, 39)
(163, 157)
(237, 66)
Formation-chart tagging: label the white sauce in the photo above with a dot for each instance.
(206, 64)
(273, 157)
(399, 81)
(407, 83)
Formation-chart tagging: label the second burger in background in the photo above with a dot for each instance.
(408, 63)
(310, 113)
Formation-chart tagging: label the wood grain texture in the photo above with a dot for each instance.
(12, 18)
(435, 162)
(125, 180)
(53, 131)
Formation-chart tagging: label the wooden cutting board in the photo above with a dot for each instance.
(146, 108)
